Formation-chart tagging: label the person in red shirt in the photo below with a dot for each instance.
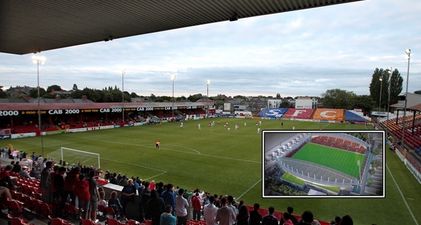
(197, 206)
(83, 195)
(152, 185)
(70, 183)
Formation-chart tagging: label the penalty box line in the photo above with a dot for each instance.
(161, 172)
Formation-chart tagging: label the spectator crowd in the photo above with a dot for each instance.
(163, 204)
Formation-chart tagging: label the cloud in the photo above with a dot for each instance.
(304, 52)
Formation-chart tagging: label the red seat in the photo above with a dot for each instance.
(87, 222)
(17, 221)
(324, 223)
(101, 208)
(109, 211)
(44, 210)
(132, 222)
(15, 208)
(71, 210)
(278, 215)
(112, 221)
(58, 221)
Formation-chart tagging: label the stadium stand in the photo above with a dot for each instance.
(28, 197)
(329, 114)
(410, 154)
(338, 142)
(293, 113)
(412, 132)
(351, 116)
(21, 118)
(273, 112)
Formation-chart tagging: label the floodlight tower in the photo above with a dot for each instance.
(388, 97)
(380, 95)
(39, 60)
(408, 54)
(207, 96)
(173, 99)
(122, 95)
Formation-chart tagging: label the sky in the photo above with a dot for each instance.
(297, 53)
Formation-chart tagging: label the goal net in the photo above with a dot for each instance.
(76, 156)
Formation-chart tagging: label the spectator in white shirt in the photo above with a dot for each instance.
(225, 215)
(181, 206)
(209, 212)
(231, 204)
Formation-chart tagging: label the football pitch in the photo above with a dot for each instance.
(338, 159)
(229, 162)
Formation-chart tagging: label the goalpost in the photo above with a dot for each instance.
(76, 156)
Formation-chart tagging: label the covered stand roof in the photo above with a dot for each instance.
(28, 26)
(416, 108)
(93, 105)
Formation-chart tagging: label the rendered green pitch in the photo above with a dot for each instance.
(334, 158)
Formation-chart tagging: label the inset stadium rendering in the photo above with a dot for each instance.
(323, 164)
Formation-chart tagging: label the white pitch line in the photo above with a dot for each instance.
(193, 149)
(159, 174)
(403, 197)
(246, 191)
(186, 152)
(152, 146)
(126, 163)
(136, 165)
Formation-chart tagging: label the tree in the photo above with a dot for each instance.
(285, 104)
(75, 87)
(195, 97)
(134, 95)
(337, 98)
(395, 86)
(364, 102)
(418, 92)
(2, 94)
(53, 87)
(34, 92)
(77, 94)
(152, 97)
(278, 96)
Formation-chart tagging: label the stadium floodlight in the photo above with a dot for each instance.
(39, 60)
(173, 99)
(380, 95)
(388, 97)
(207, 96)
(408, 54)
(172, 77)
(122, 95)
(207, 88)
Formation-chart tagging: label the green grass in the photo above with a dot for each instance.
(293, 179)
(229, 163)
(335, 189)
(338, 159)
(296, 180)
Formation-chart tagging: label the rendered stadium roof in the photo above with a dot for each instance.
(28, 26)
